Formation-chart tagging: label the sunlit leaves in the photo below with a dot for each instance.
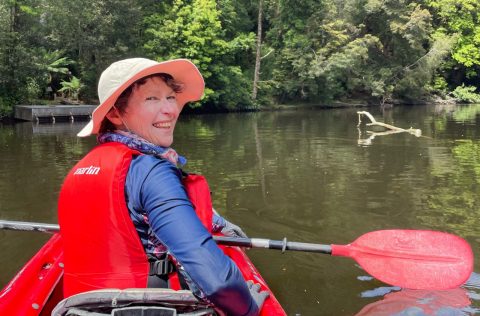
(72, 88)
(192, 29)
(461, 17)
(466, 94)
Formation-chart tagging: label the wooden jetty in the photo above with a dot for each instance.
(52, 113)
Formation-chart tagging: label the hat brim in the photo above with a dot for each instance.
(182, 70)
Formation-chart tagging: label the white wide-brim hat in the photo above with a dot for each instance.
(121, 74)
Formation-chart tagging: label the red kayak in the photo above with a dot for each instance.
(37, 289)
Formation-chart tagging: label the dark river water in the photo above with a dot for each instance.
(308, 175)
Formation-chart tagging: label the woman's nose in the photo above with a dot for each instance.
(169, 107)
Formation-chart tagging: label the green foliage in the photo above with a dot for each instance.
(71, 88)
(374, 49)
(235, 17)
(5, 109)
(33, 90)
(293, 37)
(349, 65)
(317, 51)
(15, 51)
(460, 17)
(440, 84)
(466, 94)
(94, 35)
(417, 77)
(48, 68)
(53, 62)
(193, 30)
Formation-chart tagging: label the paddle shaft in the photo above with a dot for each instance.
(228, 241)
(29, 226)
(273, 244)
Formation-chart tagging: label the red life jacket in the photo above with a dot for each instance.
(92, 200)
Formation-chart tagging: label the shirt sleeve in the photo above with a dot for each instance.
(218, 223)
(155, 185)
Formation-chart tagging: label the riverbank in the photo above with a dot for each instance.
(356, 103)
(353, 103)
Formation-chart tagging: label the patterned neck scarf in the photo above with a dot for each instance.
(137, 143)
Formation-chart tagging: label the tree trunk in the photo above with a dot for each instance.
(258, 57)
(11, 48)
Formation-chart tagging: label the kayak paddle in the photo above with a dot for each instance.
(415, 259)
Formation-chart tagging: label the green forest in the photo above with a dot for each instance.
(252, 54)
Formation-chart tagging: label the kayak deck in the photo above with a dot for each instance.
(37, 287)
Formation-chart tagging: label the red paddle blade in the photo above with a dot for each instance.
(415, 259)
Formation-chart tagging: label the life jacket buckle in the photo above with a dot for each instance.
(161, 267)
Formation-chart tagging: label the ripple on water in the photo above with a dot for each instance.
(364, 278)
(379, 291)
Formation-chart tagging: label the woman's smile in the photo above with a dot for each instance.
(163, 125)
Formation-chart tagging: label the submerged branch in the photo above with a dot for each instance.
(391, 129)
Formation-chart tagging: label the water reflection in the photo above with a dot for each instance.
(369, 140)
(34, 160)
(33, 128)
(399, 302)
(466, 113)
(420, 302)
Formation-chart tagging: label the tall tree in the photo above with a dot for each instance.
(256, 75)
(19, 27)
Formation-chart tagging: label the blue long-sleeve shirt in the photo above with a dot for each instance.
(158, 203)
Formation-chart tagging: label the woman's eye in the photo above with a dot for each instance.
(171, 98)
(151, 98)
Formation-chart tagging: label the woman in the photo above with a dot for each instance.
(127, 200)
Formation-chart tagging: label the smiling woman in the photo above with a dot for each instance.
(140, 217)
(152, 98)
(151, 111)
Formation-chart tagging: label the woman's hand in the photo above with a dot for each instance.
(258, 296)
(233, 230)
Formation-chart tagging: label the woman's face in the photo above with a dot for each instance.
(152, 112)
